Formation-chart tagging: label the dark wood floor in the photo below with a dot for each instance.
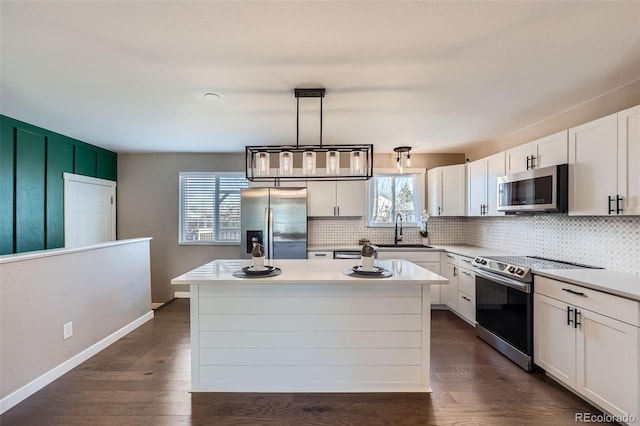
(143, 379)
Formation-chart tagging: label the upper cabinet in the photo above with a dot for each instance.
(482, 185)
(604, 163)
(447, 190)
(543, 152)
(336, 198)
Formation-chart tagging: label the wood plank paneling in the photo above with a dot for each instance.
(320, 290)
(107, 166)
(311, 357)
(315, 305)
(318, 339)
(59, 160)
(310, 322)
(315, 374)
(7, 144)
(30, 191)
(86, 161)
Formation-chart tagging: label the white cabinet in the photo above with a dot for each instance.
(543, 152)
(466, 290)
(482, 185)
(447, 190)
(427, 259)
(604, 162)
(594, 353)
(336, 198)
(320, 255)
(449, 270)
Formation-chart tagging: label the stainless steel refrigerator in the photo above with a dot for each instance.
(276, 218)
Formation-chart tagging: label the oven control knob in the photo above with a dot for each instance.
(511, 269)
(483, 261)
(519, 271)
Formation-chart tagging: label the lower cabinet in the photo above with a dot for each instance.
(460, 294)
(427, 259)
(593, 353)
(322, 255)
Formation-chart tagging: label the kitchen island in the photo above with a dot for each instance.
(310, 329)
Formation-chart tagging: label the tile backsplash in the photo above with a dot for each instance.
(609, 242)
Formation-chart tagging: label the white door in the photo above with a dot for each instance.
(350, 196)
(89, 210)
(518, 158)
(551, 150)
(495, 169)
(607, 363)
(629, 160)
(476, 182)
(593, 172)
(554, 340)
(434, 191)
(454, 190)
(321, 198)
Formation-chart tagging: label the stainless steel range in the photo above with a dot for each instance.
(504, 302)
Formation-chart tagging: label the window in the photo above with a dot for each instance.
(392, 193)
(210, 207)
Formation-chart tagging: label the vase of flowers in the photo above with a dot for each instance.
(424, 231)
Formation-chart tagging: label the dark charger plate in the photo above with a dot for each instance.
(248, 270)
(360, 271)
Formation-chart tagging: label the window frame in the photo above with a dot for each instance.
(217, 175)
(421, 189)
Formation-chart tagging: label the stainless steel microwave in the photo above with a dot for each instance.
(535, 191)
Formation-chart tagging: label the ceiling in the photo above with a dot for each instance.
(439, 76)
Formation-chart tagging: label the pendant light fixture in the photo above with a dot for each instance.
(403, 157)
(298, 162)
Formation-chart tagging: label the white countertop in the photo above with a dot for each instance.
(309, 271)
(618, 283)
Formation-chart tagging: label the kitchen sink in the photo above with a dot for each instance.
(401, 246)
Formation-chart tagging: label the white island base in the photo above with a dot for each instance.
(310, 329)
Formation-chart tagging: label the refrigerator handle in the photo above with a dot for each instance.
(270, 234)
(267, 235)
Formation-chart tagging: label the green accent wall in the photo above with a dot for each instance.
(32, 163)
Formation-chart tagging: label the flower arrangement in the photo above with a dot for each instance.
(424, 218)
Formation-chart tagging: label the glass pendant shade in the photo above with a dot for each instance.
(356, 161)
(308, 163)
(262, 164)
(333, 163)
(286, 163)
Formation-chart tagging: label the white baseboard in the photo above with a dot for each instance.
(156, 305)
(35, 385)
(182, 295)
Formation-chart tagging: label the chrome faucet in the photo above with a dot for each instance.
(398, 237)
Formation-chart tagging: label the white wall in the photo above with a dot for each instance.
(102, 289)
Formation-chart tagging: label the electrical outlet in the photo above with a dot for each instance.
(67, 330)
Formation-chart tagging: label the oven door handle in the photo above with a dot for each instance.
(524, 287)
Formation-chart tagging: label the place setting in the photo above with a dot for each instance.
(257, 269)
(368, 269)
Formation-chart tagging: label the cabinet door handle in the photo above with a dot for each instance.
(576, 321)
(528, 160)
(320, 254)
(455, 272)
(466, 273)
(450, 257)
(439, 210)
(466, 298)
(569, 312)
(618, 201)
(468, 261)
(533, 159)
(577, 293)
(610, 201)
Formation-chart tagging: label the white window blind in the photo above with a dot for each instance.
(391, 193)
(210, 207)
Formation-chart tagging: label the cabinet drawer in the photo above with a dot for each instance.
(597, 301)
(320, 255)
(467, 307)
(450, 258)
(465, 262)
(467, 281)
(413, 256)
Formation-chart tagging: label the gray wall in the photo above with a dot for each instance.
(148, 207)
(101, 289)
